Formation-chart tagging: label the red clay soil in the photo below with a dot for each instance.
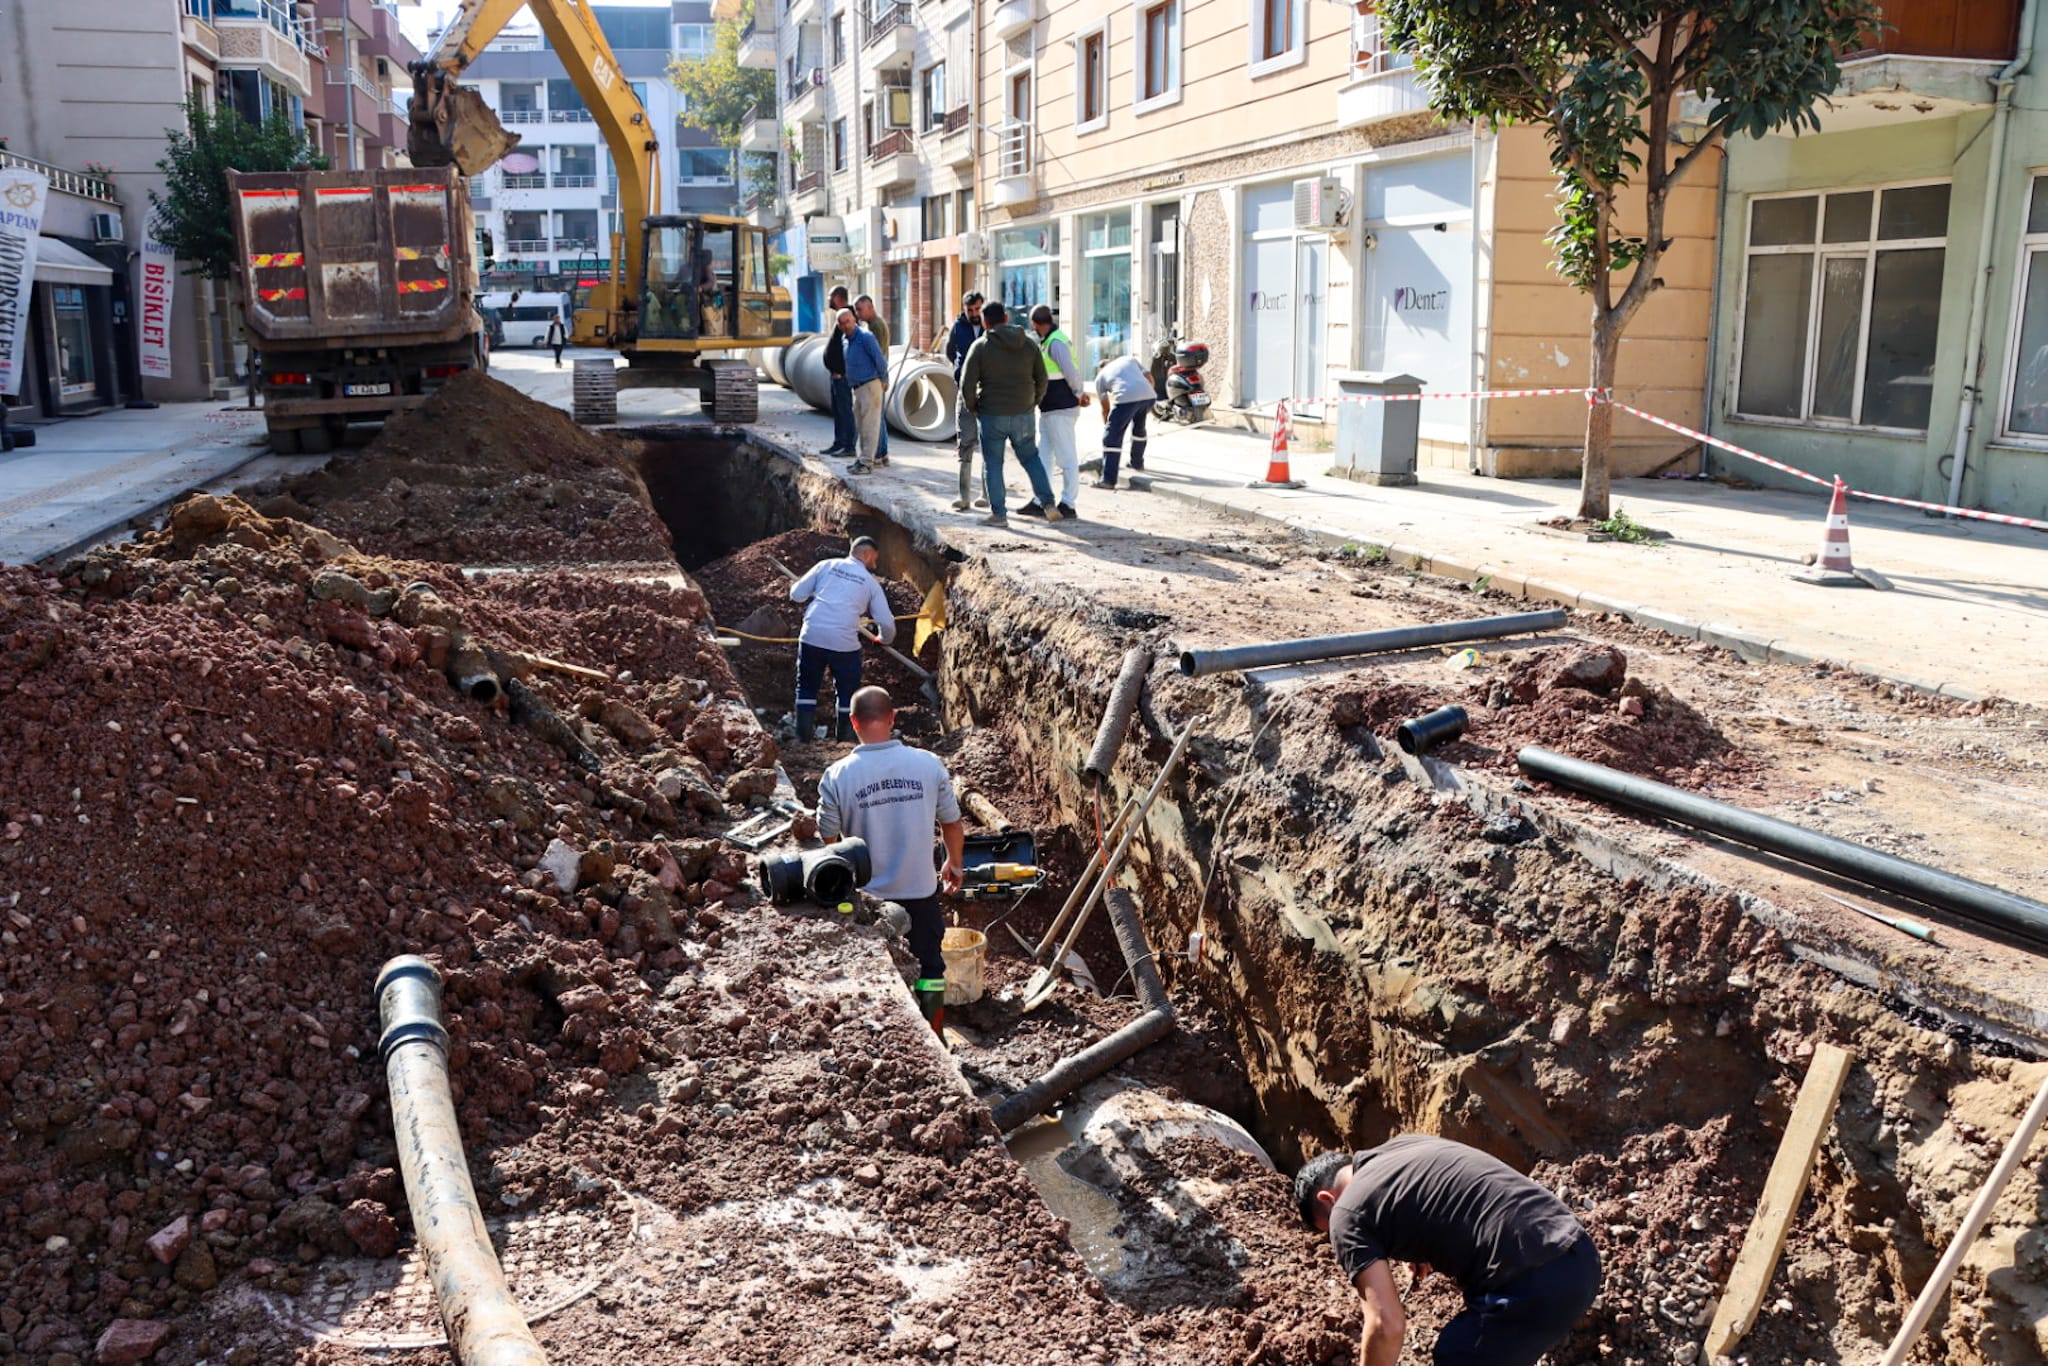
(480, 474)
(231, 795)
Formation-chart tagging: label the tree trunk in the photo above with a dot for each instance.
(1593, 472)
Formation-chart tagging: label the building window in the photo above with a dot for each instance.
(2027, 408)
(1091, 79)
(963, 204)
(1105, 288)
(838, 38)
(932, 90)
(693, 40)
(1158, 57)
(1279, 35)
(938, 216)
(839, 144)
(1841, 303)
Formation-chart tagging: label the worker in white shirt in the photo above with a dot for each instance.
(837, 593)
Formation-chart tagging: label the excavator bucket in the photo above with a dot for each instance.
(452, 126)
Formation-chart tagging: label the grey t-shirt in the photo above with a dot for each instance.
(1469, 1215)
(895, 798)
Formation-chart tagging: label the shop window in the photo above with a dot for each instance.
(1091, 79)
(1841, 304)
(77, 373)
(1158, 55)
(1279, 35)
(2026, 411)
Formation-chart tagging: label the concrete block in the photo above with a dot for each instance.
(1665, 621)
(1783, 653)
(1961, 693)
(1538, 590)
(1409, 557)
(1756, 649)
(1595, 602)
(1503, 580)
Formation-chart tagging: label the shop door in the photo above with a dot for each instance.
(1417, 306)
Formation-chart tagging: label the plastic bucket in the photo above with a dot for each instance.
(963, 949)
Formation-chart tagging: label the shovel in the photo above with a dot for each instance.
(1046, 980)
(923, 674)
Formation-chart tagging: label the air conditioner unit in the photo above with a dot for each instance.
(897, 106)
(106, 227)
(1318, 203)
(973, 248)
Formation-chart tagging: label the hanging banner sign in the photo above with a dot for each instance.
(22, 195)
(159, 281)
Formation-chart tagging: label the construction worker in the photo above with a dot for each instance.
(1059, 412)
(893, 796)
(1126, 394)
(837, 593)
(1000, 384)
(1527, 1267)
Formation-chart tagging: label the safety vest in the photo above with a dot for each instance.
(1059, 395)
(1052, 369)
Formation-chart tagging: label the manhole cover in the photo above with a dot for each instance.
(551, 1260)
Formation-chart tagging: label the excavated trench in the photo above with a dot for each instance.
(1380, 957)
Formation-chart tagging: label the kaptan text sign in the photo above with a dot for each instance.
(22, 195)
(158, 281)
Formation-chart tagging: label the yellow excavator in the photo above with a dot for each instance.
(682, 286)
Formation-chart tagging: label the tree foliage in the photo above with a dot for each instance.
(1602, 79)
(717, 91)
(193, 216)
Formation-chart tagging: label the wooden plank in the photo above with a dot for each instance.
(1783, 1189)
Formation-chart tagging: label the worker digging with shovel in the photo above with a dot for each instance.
(836, 594)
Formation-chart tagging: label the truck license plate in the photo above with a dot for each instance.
(365, 390)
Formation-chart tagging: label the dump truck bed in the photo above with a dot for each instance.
(341, 258)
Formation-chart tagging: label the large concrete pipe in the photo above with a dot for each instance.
(772, 358)
(804, 363)
(922, 398)
(483, 1321)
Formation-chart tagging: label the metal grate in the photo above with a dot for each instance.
(551, 1260)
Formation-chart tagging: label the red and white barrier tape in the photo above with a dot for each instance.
(2002, 519)
(1587, 394)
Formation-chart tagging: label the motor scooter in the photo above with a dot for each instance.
(1177, 380)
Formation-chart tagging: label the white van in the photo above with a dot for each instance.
(526, 321)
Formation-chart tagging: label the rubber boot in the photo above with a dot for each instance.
(931, 1003)
(842, 726)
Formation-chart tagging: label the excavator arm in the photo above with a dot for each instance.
(451, 124)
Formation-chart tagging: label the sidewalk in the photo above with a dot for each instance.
(1968, 618)
(86, 477)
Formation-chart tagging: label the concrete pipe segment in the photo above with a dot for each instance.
(484, 1323)
(804, 364)
(921, 398)
(772, 358)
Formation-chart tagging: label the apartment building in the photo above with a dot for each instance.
(1883, 283)
(361, 83)
(551, 207)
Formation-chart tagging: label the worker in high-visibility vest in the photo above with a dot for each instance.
(1059, 412)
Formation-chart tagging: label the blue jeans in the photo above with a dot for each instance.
(1124, 415)
(811, 663)
(1021, 431)
(1516, 1323)
(845, 435)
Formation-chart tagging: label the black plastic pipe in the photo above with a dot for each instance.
(1116, 718)
(1988, 906)
(1199, 663)
(1425, 733)
(1155, 1023)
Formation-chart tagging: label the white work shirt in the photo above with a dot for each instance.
(839, 592)
(1125, 380)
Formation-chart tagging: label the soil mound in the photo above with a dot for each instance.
(747, 592)
(238, 779)
(482, 474)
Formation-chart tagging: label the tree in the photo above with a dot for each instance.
(193, 216)
(719, 93)
(1602, 79)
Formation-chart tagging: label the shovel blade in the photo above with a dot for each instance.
(1040, 988)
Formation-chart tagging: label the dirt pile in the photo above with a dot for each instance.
(748, 592)
(238, 781)
(480, 474)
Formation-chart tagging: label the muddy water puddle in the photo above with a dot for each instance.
(1092, 1217)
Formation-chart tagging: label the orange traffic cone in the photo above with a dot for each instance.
(1834, 569)
(1278, 476)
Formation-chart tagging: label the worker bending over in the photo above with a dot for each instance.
(836, 594)
(1527, 1267)
(893, 797)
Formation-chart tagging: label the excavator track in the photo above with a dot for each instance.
(734, 394)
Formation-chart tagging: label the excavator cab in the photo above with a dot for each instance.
(705, 280)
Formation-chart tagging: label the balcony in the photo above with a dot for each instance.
(892, 161)
(758, 132)
(806, 94)
(569, 116)
(757, 43)
(1015, 17)
(1973, 30)
(65, 181)
(531, 180)
(1383, 83)
(526, 246)
(956, 137)
(1016, 182)
(522, 116)
(264, 36)
(763, 210)
(809, 195)
(201, 38)
(890, 40)
(568, 180)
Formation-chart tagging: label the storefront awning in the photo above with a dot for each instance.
(59, 264)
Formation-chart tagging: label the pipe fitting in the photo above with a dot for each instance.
(827, 876)
(469, 669)
(1425, 733)
(408, 997)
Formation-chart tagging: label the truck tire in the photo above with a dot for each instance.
(734, 394)
(316, 440)
(284, 440)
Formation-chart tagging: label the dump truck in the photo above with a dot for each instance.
(359, 289)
